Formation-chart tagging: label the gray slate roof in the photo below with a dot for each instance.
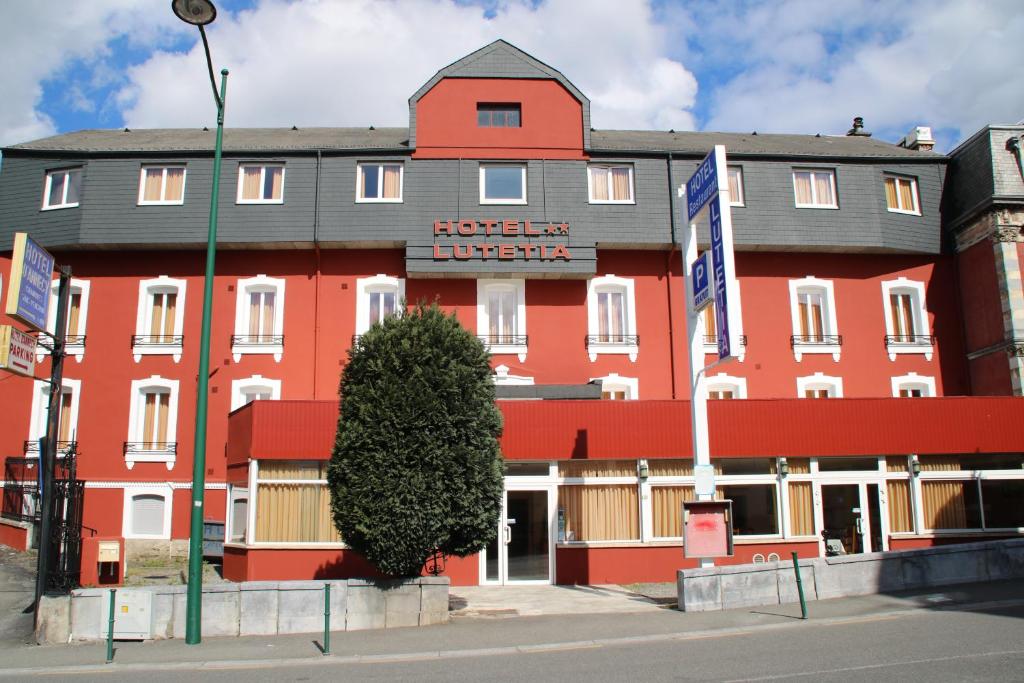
(283, 140)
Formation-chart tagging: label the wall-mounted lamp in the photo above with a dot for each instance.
(915, 465)
(642, 470)
(783, 467)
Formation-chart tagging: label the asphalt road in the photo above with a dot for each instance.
(922, 645)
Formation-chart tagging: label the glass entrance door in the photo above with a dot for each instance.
(522, 551)
(852, 518)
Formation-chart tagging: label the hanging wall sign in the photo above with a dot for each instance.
(17, 351)
(28, 294)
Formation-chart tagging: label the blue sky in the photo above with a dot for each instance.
(800, 66)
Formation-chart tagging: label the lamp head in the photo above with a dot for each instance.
(195, 12)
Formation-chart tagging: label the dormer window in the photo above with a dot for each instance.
(499, 115)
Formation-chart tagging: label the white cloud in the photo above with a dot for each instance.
(357, 63)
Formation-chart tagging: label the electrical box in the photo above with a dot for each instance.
(707, 528)
(133, 615)
(109, 551)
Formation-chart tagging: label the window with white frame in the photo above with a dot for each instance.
(255, 388)
(709, 323)
(62, 189)
(723, 387)
(599, 500)
(913, 385)
(614, 387)
(610, 184)
(977, 492)
(238, 514)
(78, 309)
(906, 318)
(736, 197)
(611, 317)
(259, 317)
(376, 298)
(379, 182)
(901, 194)
(293, 503)
(67, 420)
(501, 316)
(815, 188)
(160, 318)
(152, 422)
(260, 183)
(147, 512)
(819, 385)
(498, 115)
(813, 311)
(162, 185)
(502, 183)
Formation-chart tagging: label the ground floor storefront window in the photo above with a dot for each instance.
(293, 504)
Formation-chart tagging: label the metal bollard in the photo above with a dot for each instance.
(799, 586)
(327, 619)
(110, 628)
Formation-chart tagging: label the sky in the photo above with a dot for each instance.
(777, 66)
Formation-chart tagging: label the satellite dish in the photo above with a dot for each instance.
(195, 12)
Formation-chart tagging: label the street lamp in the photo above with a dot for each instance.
(199, 13)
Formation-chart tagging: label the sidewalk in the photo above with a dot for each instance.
(475, 636)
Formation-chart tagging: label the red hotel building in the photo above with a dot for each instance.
(884, 278)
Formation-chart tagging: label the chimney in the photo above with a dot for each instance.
(919, 139)
(858, 128)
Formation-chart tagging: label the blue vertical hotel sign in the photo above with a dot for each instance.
(28, 295)
(704, 189)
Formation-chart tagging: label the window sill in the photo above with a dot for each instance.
(898, 349)
(508, 349)
(283, 545)
(158, 350)
(175, 203)
(817, 206)
(800, 349)
(259, 201)
(712, 350)
(904, 212)
(239, 350)
(360, 200)
(502, 202)
(166, 457)
(76, 350)
(595, 349)
(58, 207)
(614, 201)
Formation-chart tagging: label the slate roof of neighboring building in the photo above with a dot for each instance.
(269, 140)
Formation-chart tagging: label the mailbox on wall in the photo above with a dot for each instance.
(707, 528)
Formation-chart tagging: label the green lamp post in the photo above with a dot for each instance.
(199, 13)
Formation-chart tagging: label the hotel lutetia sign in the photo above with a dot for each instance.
(500, 240)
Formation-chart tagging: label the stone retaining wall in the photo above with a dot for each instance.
(256, 608)
(774, 583)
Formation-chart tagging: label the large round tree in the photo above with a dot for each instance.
(416, 468)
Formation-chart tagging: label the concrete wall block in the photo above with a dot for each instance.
(54, 623)
(786, 578)
(750, 589)
(699, 593)
(433, 618)
(257, 614)
(339, 605)
(859, 575)
(300, 610)
(1006, 561)
(85, 615)
(434, 597)
(402, 605)
(365, 606)
(220, 613)
(162, 615)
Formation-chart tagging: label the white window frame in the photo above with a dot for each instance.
(502, 378)
(483, 289)
(147, 288)
(246, 287)
(817, 382)
(41, 405)
(590, 184)
(65, 204)
(915, 289)
(483, 172)
(380, 186)
(815, 204)
(828, 317)
(912, 380)
(240, 386)
(616, 382)
(378, 283)
(608, 283)
(78, 349)
(136, 415)
(737, 385)
(742, 198)
(916, 210)
(236, 492)
(164, 491)
(263, 177)
(711, 348)
(163, 185)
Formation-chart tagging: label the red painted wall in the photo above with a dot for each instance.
(13, 536)
(983, 326)
(446, 120)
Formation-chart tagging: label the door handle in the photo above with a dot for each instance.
(508, 535)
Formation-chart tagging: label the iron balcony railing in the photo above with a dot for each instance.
(63, 448)
(257, 339)
(712, 339)
(157, 340)
(503, 339)
(150, 447)
(816, 340)
(910, 339)
(613, 340)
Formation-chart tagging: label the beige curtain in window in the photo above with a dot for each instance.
(890, 194)
(666, 507)
(799, 465)
(600, 513)
(64, 430)
(276, 181)
(940, 463)
(251, 182)
(906, 195)
(392, 184)
(597, 468)
(154, 422)
(802, 182)
(254, 313)
(602, 316)
(896, 463)
(599, 183)
(154, 181)
(672, 467)
(270, 470)
(267, 322)
(294, 513)
(161, 327)
(620, 184)
(811, 321)
(710, 322)
(74, 311)
(944, 504)
(823, 188)
(174, 189)
(734, 185)
(900, 518)
(801, 510)
(902, 314)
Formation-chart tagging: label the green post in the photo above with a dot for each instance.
(110, 628)
(799, 586)
(194, 605)
(327, 618)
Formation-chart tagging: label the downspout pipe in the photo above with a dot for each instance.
(316, 253)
